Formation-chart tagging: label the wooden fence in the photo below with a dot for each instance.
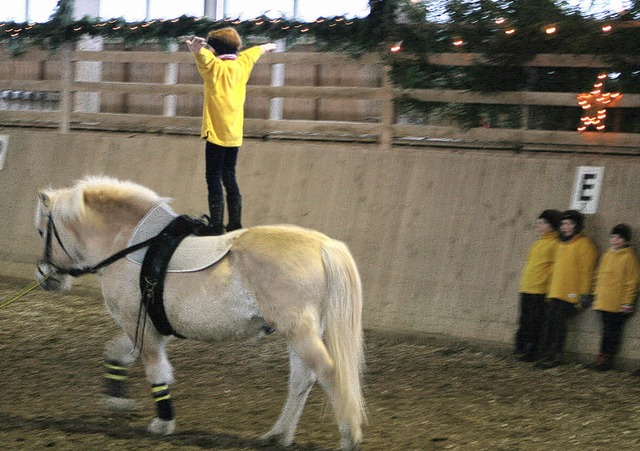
(349, 99)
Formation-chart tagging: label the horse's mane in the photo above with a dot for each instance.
(106, 194)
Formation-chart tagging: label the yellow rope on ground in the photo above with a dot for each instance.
(28, 289)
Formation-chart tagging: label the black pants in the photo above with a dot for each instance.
(532, 314)
(555, 328)
(220, 167)
(612, 324)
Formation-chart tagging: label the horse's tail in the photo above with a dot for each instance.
(343, 330)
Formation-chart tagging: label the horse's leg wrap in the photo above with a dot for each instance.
(115, 379)
(164, 404)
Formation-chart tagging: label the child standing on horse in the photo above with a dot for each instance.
(225, 73)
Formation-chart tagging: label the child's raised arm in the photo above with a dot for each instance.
(268, 47)
(195, 43)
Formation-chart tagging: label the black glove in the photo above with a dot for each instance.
(586, 300)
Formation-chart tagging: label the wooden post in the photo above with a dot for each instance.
(527, 110)
(277, 79)
(387, 116)
(317, 102)
(87, 71)
(170, 78)
(66, 53)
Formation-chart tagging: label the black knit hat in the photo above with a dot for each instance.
(623, 230)
(576, 217)
(552, 217)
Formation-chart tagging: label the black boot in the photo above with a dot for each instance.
(235, 212)
(216, 209)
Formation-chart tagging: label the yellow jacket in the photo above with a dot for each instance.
(573, 269)
(225, 90)
(617, 280)
(539, 265)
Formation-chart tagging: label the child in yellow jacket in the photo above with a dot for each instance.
(225, 73)
(534, 285)
(571, 281)
(617, 281)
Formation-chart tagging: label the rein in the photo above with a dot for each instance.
(76, 272)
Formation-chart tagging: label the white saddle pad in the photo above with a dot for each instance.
(194, 253)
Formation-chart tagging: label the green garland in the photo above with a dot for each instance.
(481, 25)
(473, 21)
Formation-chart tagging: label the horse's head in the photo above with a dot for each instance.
(56, 258)
(80, 226)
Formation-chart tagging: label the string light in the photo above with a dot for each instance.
(395, 48)
(549, 29)
(594, 105)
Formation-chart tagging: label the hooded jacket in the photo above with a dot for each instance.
(225, 90)
(573, 270)
(539, 266)
(617, 280)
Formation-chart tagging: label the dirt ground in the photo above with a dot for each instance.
(423, 393)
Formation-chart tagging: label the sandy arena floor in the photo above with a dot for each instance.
(423, 393)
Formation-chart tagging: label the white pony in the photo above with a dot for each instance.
(295, 281)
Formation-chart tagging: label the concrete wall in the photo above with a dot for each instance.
(440, 236)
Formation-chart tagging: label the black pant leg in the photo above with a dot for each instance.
(531, 321)
(555, 328)
(612, 325)
(214, 163)
(229, 179)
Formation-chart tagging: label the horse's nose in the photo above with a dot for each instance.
(43, 269)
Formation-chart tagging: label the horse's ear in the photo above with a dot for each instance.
(45, 199)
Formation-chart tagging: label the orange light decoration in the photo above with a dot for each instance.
(550, 29)
(500, 21)
(606, 28)
(510, 31)
(395, 48)
(594, 105)
(458, 42)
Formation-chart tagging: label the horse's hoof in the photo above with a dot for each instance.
(162, 427)
(114, 404)
(350, 442)
(350, 446)
(276, 438)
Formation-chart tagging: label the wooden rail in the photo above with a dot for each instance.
(382, 128)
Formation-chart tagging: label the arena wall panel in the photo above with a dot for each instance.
(440, 235)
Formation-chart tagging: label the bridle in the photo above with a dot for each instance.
(76, 272)
(48, 248)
